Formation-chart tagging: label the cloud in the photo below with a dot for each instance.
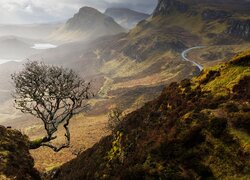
(39, 11)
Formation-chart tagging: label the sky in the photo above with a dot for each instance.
(44, 11)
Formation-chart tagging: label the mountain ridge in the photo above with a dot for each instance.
(126, 17)
(86, 25)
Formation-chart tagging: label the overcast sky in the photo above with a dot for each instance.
(41, 11)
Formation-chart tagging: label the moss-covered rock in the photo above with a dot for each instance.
(15, 159)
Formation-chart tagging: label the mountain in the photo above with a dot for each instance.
(132, 68)
(216, 21)
(87, 24)
(128, 70)
(33, 31)
(138, 64)
(196, 129)
(126, 17)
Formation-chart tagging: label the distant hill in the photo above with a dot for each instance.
(126, 17)
(33, 31)
(87, 24)
(16, 48)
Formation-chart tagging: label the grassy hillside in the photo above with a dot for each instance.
(198, 128)
(130, 69)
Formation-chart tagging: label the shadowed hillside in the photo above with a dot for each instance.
(15, 160)
(126, 17)
(194, 129)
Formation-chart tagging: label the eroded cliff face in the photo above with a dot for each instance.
(210, 14)
(235, 21)
(165, 7)
(239, 28)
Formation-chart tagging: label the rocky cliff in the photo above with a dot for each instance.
(126, 17)
(239, 28)
(230, 18)
(165, 7)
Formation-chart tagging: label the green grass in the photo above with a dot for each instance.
(243, 137)
(230, 75)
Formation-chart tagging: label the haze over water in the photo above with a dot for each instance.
(38, 46)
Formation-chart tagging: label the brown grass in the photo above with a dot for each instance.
(85, 132)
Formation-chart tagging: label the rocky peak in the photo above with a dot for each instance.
(165, 7)
(88, 18)
(88, 11)
(86, 25)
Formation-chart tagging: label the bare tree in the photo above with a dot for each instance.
(52, 94)
(115, 118)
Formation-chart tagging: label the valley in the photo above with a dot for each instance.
(139, 63)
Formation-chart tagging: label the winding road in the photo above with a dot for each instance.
(185, 58)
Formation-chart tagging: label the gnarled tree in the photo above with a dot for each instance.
(52, 94)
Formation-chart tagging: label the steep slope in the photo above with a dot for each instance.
(15, 160)
(214, 20)
(126, 17)
(138, 63)
(88, 24)
(195, 129)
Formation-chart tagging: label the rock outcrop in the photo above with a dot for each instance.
(165, 7)
(210, 14)
(239, 28)
(15, 159)
(127, 18)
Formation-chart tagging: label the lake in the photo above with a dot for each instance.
(38, 46)
(2, 61)
(43, 46)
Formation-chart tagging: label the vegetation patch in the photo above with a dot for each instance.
(15, 160)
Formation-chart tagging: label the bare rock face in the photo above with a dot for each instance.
(239, 28)
(210, 14)
(165, 7)
(126, 17)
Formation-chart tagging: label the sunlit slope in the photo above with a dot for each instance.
(191, 131)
